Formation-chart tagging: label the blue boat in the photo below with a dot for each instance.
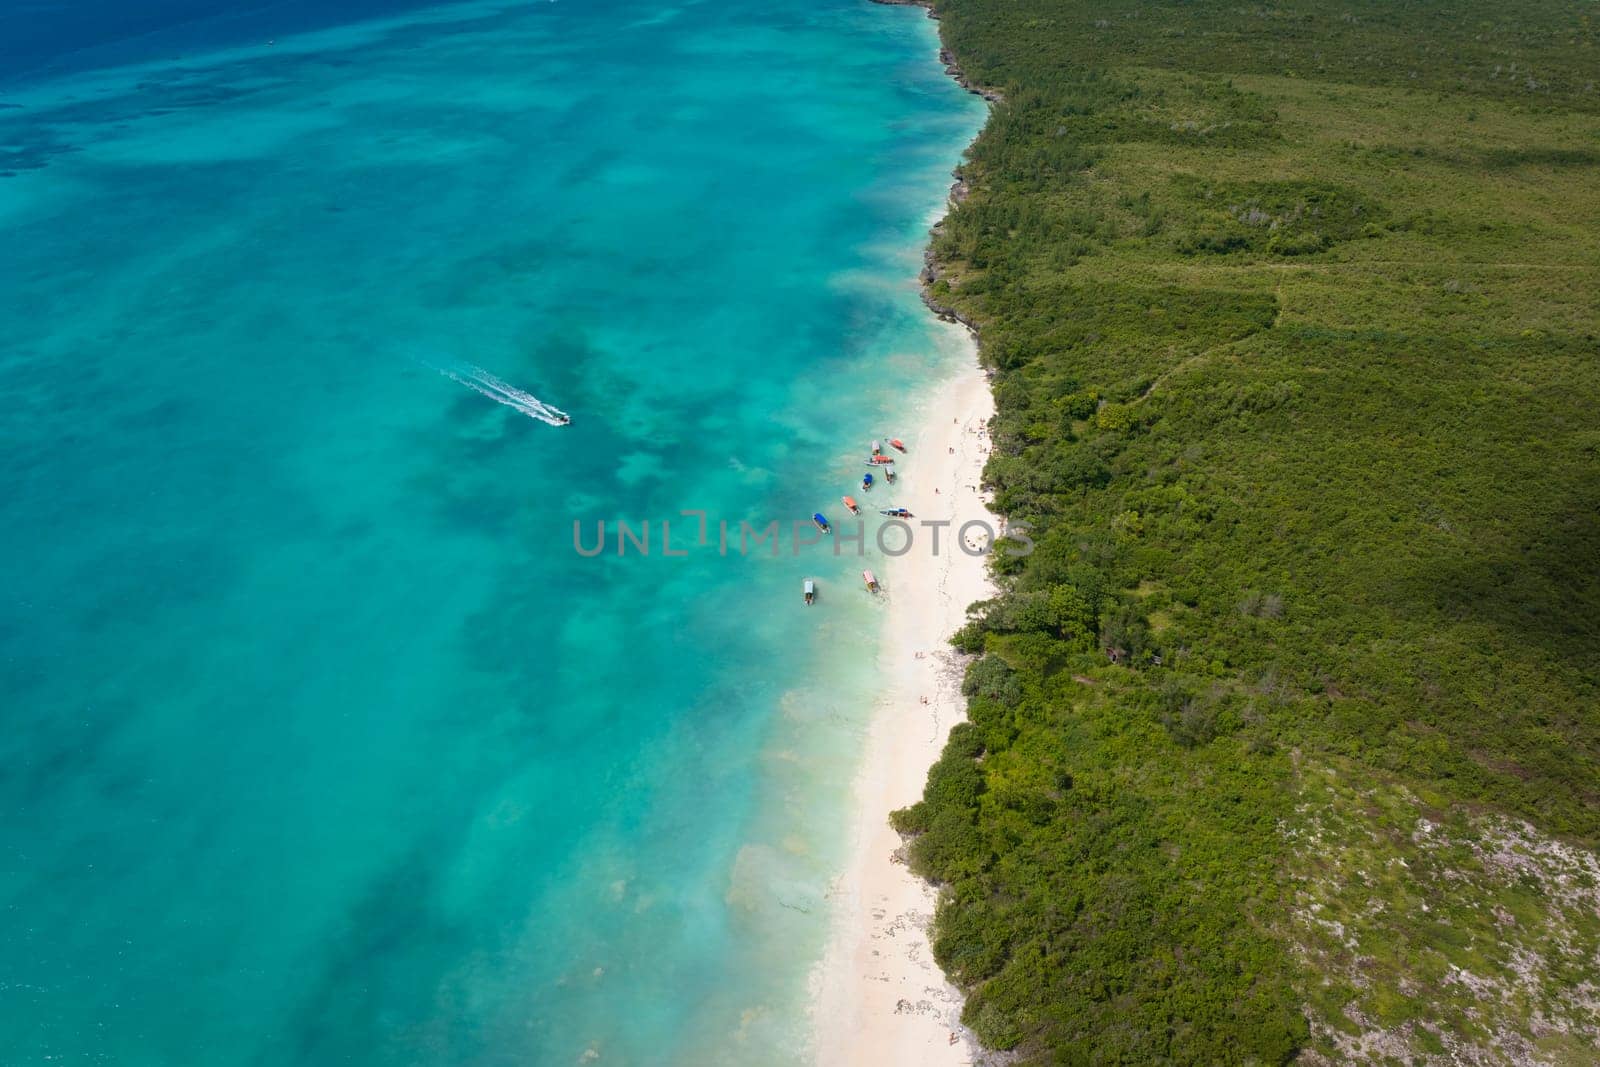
(895, 513)
(822, 523)
(866, 482)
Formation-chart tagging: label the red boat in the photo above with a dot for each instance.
(897, 443)
(879, 459)
(850, 502)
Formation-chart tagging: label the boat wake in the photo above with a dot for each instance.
(481, 381)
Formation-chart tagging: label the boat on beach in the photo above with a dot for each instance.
(896, 513)
(850, 502)
(871, 580)
(811, 591)
(822, 522)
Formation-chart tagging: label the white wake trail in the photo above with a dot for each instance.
(481, 381)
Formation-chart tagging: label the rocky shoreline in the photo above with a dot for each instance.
(930, 274)
(959, 189)
(951, 67)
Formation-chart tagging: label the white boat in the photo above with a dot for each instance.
(811, 591)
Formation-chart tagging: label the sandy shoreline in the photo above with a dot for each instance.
(879, 996)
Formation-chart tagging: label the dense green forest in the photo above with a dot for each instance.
(1285, 742)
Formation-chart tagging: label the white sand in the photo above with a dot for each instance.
(880, 998)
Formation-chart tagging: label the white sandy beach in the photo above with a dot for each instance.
(880, 999)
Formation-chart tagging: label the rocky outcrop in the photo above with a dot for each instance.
(951, 67)
(960, 189)
(930, 274)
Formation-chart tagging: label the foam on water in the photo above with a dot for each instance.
(322, 743)
(483, 383)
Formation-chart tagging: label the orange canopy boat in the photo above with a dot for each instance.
(850, 502)
(897, 443)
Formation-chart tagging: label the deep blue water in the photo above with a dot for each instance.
(39, 37)
(319, 743)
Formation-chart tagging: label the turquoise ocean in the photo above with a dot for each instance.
(319, 742)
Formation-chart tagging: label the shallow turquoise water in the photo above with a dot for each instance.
(321, 744)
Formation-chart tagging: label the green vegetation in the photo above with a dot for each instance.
(1294, 321)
